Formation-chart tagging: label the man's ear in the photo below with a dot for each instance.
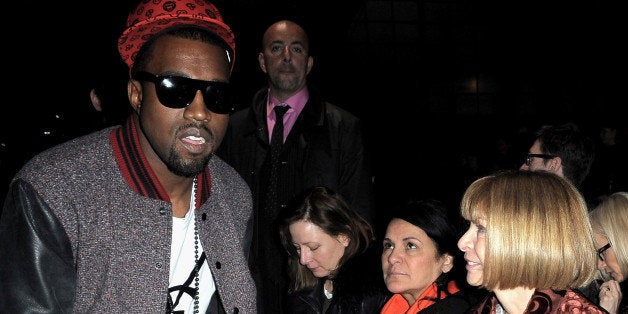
(555, 163)
(262, 63)
(310, 64)
(134, 92)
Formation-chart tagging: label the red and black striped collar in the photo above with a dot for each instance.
(136, 170)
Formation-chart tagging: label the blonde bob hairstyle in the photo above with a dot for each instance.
(538, 233)
(610, 219)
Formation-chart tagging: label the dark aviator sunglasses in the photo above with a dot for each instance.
(178, 92)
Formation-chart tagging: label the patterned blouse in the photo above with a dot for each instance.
(545, 301)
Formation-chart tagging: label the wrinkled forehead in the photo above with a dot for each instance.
(286, 33)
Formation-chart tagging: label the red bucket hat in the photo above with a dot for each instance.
(153, 16)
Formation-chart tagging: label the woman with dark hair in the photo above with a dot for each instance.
(417, 260)
(331, 263)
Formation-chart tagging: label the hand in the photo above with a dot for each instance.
(610, 296)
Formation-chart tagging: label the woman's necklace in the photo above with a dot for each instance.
(328, 288)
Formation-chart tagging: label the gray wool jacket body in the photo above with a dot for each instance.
(75, 237)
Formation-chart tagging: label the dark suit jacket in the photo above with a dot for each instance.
(324, 147)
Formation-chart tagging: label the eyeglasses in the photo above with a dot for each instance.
(530, 156)
(601, 251)
(178, 92)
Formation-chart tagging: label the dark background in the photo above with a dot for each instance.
(447, 90)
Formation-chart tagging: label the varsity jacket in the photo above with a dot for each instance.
(87, 228)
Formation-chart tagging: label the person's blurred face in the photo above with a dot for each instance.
(285, 58)
(607, 135)
(609, 264)
(536, 163)
(180, 139)
(473, 244)
(410, 261)
(318, 251)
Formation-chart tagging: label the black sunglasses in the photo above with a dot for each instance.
(178, 92)
(530, 156)
(600, 251)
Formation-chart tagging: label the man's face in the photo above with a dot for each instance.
(536, 163)
(180, 140)
(285, 57)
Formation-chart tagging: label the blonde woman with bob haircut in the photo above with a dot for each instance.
(529, 243)
(609, 221)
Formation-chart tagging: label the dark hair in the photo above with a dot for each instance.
(574, 147)
(144, 55)
(330, 212)
(432, 216)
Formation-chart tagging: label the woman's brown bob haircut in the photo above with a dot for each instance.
(538, 233)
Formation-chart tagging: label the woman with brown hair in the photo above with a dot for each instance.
(332, 263)
(529, 243)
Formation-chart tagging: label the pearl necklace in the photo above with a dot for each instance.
(196, 266)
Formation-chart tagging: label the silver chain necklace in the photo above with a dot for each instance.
(198, 262)
(196, 266)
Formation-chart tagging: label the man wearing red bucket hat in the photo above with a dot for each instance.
(140, 217)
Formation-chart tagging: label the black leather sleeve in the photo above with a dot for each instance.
(37, 270)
